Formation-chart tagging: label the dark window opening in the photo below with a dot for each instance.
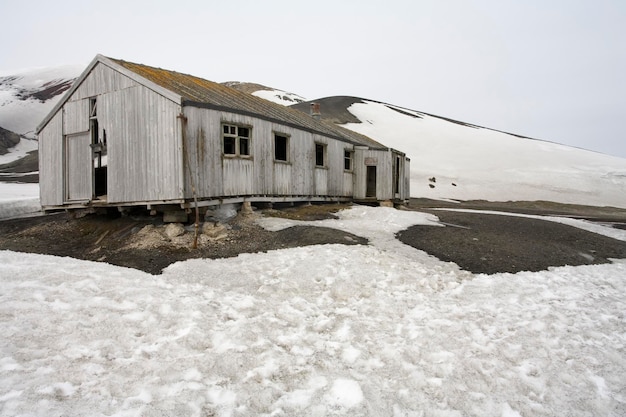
(94, 131)
(347, 160)
(280, 148)
(320, 150)
(93, 120)
(244, 146)
(229, 145)
(396, 178)
(93, 108)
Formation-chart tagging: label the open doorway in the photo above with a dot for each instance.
(370, 179)
(397, 165)
(99, 151)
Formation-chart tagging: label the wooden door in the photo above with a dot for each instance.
(78, 167)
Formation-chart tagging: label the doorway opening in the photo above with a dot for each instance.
(396, 176)
(370, 179)
(99, 151)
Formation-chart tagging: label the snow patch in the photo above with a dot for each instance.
(18, 199)
(378, 329)
(19, 151)
(279, 97)
(345, 393)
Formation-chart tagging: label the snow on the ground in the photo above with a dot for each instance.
(470, 162)
(377, 330)
(17, 199)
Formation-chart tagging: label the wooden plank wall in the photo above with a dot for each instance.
(50, 162)
(76, 116)
(215, 175)
(144, 145)
(102, 79)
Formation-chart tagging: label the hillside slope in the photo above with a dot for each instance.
(457, 160)
(8, 140)
(26, 97)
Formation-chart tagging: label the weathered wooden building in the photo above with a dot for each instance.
(128, 134)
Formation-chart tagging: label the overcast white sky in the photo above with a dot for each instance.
(551, 70)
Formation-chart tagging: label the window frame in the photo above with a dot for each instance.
(239, 137)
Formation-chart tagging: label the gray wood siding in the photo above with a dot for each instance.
(302, 160)
(76, 117)
(282, 178)
(102, 79)
(239, 176)
(215, 175)
(144, 145)
(202, 155)
(51, 162)
(348, 183)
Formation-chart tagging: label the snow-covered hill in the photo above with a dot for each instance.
(26, 97)
(270, 94)
(456, 160)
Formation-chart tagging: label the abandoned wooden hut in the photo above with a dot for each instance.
(127, 134)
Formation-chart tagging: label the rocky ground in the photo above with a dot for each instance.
(480, 243)
(144, 242)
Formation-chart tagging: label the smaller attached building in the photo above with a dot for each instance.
(128, 134)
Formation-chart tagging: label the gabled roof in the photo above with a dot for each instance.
(193, 91)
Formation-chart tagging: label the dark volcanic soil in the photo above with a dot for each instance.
(114, 240)
(488, 243)
(480, 243)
